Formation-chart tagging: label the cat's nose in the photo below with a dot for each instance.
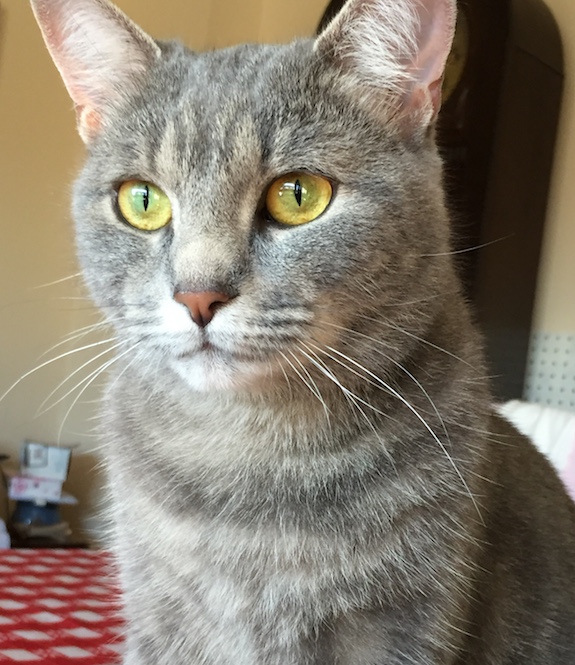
(201, 304)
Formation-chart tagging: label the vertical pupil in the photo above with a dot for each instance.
(298, 192)
(146, 196)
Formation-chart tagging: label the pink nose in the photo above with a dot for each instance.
(202, 305)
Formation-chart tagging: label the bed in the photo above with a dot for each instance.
(59, 607)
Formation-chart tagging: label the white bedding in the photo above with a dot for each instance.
(552, 431)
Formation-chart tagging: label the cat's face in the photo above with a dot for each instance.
(224, 142)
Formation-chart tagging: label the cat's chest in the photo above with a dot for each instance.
(237, 527)
(267, 586)
(272, 547)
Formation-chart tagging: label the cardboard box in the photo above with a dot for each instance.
(43, 461)
(23, 488)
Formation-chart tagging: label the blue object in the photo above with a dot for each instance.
(30, 513)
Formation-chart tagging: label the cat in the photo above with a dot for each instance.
(303, 459)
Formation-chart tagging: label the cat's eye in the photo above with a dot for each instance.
(298, 198)
(143, 205)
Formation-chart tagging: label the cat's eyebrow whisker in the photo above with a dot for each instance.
(416, 413)
(88, 382)
(41, 410)
(53, 360)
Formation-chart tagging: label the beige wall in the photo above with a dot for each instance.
(555, 308)
(39, 153)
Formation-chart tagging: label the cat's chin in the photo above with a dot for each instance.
(211, 372)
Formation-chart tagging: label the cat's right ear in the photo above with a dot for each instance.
(393, 53)
(99, 52)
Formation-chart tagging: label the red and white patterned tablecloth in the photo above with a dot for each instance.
(59, 607)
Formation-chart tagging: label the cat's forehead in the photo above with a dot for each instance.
(235, 112)
(212, 90)
(212, 106)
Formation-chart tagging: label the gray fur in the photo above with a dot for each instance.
(394, 521)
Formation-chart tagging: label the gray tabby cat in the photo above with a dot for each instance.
(304, 464)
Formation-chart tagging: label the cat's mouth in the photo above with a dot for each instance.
(211, 367)
(210, 352)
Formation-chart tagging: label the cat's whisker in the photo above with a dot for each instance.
(350, 369)
(41, 410)
(86, 380)
(77, 334)
(363, 286)
(53, 360)
(419, 301)
(350, 397)
(317, 362)
(126, 368)
(312, 388)
(73, 298)
(92, 377)
(400, 367)
(353, 400)
(486, 434)
(422, 389)
(466, 250)
(388, 324)
(313, 383)
(299, 375)
(416, 413)
(288, 382)
(57, 281)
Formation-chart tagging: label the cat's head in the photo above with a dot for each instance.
(254, 212)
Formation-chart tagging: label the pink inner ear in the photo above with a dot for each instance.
(398, 46)
(436, 28)
(99, 52)
(89, 123)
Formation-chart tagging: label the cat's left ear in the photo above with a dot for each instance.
(395, 50)
(100, 53)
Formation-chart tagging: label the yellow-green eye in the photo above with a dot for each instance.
(298, 198)
(143, 205)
